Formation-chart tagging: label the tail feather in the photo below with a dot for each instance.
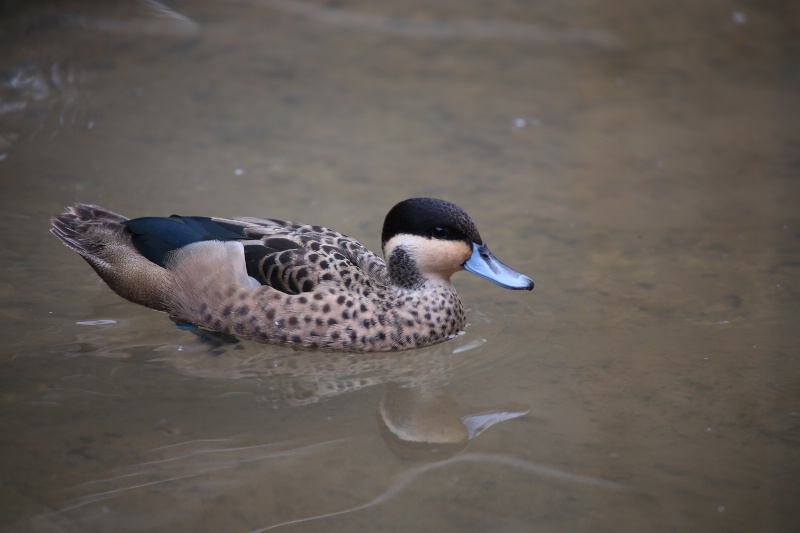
(101, 238)
(79, 225)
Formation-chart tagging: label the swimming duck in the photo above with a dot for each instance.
(294, 284)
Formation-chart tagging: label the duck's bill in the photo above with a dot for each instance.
(482, 263)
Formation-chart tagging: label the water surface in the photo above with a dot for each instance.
(640, 162)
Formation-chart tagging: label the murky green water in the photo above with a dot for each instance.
(640, 161)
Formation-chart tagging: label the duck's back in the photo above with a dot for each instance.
(287, 256)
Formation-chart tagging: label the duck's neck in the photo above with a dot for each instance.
(403, 270)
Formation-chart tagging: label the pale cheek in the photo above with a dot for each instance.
(465, 254)
(457, 254)
(446, 258)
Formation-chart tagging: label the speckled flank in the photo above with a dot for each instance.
(355, 314)
(330, 318)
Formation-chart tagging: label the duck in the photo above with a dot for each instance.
(288, 283)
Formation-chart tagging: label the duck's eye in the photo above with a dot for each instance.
(439, 233)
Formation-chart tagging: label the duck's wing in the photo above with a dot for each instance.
(287, 256)
(295, 258)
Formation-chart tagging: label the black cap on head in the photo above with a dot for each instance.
(430, 217)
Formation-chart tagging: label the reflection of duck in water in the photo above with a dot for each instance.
(294, 284)
(426, 422)
(417, 415)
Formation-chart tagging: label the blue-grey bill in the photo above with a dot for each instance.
(482, 263)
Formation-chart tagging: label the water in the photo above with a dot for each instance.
(639, 162)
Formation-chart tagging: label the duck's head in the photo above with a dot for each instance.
(429, 239)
